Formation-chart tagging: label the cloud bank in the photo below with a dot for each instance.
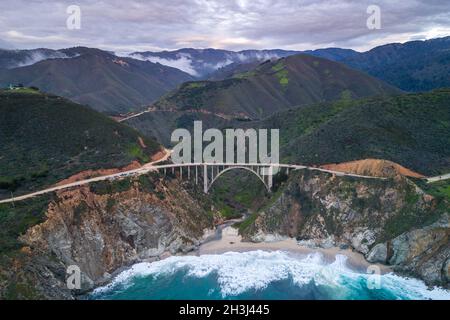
(184, 63)
(139, 25)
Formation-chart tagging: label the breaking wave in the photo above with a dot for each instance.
(259, 275)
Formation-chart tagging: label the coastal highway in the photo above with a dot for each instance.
(438, 178)
(142, 170)
(153, 166)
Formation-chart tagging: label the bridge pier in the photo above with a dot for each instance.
(254, 168)
(196, 174)
(205, 178)
(212, 171)
(270, 178)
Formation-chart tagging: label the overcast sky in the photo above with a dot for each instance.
(135, 25)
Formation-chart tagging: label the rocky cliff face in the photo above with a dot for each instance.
(106, 226)
(389, 221)
(423, 252)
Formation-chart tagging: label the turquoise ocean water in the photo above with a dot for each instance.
(260, 275)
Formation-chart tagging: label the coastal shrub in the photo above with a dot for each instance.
(110, 187)
(34, 152)
(17, 218)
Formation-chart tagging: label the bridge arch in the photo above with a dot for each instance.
(238, 167)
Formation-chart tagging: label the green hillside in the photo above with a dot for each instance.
(412, 66)
(99, 79)
(412, 130)
(160, 124)
(274, 86)
(45, 138)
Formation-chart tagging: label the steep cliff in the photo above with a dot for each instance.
(107, 226)
(390, 221)
(104, 227)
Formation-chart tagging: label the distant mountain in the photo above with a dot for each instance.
(213, 64)
(46, 138)
(159, 125)
(201, 63)
(335, 54)
(99, 79)
(412, 130)
(114, 85)
(274, 86)
(232, 70)
(412, 66)
(10, 59)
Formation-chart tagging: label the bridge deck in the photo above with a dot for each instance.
(151, 168)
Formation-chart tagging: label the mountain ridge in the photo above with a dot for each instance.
(99, 79)
(411, 66)
(411, 130)
(273, 86)
(416, 65)
(35, 154)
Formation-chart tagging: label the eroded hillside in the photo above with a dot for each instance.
(390, 221)
(101, 228)
(46, 138)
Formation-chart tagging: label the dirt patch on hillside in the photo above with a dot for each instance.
(88, 174)
(159, 155)
(141, 142)
(373, 167)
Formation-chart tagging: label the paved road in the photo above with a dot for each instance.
(438, 178)
(134, 116)
(152, 166)
(146, 168)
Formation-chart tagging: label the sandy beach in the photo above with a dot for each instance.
(229, 240)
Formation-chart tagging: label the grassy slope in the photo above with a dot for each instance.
(98, 79)
(412, 130)
(412, 66)
(15, 221)
(439, 189)
(160, 124)
(274, 86)
(46, 138)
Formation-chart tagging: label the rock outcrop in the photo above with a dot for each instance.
(378, 254)
(389, 221)
(107, 226)
(424, 252)
(104, 227)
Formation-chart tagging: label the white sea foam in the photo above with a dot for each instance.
(240, 272)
